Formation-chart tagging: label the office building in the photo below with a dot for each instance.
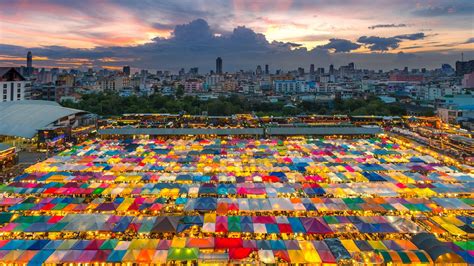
(29, 63)
(219, 66)
(126, 70)
(464, 67)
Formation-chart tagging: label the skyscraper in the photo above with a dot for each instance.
(300, 71)
(311, 69)
(219, 65)
(29, 63)
(267, 71)
(126, 70)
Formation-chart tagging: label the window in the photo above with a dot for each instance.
(18, 96)
(5, 86)
(5, 91)
(18, 85)
(4, 97)
(18, 90)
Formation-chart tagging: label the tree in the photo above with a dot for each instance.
(180, 91)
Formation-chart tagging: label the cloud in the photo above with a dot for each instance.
(411, 37)
(197, 30)
(310, 38)
(453, 8)
(470, 40)
(412, 47)
(195, 44)
(163, 26)
(340, 45)
(388, 26)
(375, 43)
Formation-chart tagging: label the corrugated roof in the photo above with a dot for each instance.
(24, 118)
(181, 131)
(287, 131)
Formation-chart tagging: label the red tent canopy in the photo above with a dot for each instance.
(225, 243)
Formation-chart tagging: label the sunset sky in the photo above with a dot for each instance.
(185, 33)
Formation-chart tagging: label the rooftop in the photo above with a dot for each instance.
(24, 118)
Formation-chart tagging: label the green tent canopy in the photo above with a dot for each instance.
(183, 254)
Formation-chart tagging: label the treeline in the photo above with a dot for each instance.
(110, 104)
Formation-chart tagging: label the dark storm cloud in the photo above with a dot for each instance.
(375, 43)
(401, 25)
(340, 45)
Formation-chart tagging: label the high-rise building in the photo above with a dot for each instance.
(194, 71)
(331, 69)
(311, 69)
(29, 63)
(300, 71)
(464, 67)
(258, 72)
(12, 85)
(66, 80)
(126, 70)
(267, 71)
(219, 65)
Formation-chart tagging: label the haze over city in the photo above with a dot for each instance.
(285, 34)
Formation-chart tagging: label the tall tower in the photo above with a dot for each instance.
(126, 70)
(267, 71)
(29, 63)
(311, 69)
(219, 65)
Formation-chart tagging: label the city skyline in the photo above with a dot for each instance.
(283, 34)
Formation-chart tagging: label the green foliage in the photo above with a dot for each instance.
(370, 106)
(111, 104)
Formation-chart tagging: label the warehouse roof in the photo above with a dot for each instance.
(24, 118)
(346, 130)
(181, 131)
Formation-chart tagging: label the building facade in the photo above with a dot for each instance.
(12, 85)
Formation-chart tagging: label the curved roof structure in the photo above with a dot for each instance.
(438, 251)
(24, 118)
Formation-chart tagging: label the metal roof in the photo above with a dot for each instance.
(181, 131)
(288, 131)
(24, 118)
(284, 131)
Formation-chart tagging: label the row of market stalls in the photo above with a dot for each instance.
(247, 188)
(238, 200)
(291, 206)
(292, 227)
(338, 175)
(210, 249)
